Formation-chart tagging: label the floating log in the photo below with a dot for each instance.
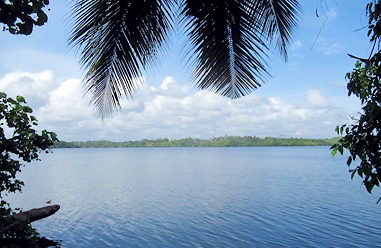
(37, 213)
(29, 216)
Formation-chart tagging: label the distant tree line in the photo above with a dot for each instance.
(226, 141)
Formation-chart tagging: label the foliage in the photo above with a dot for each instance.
(363, 139)
(228, 42)
(19, 16)
(19, 142)
(18, 139)
(226, 141)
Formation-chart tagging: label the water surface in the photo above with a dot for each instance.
(201, 197)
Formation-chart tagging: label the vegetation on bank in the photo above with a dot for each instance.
(20, 144)
(363, 138)
(226, 141)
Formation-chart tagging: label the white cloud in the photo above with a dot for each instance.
(329, 47)
(339, 85)
(33, 86)
(295, 45)
(65, 103)
(331, 14)
(333, 49)
(173, 110)
(314, 98)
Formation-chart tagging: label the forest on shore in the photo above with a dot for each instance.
(225, 141)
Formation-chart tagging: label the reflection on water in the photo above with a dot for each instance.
(201, 197)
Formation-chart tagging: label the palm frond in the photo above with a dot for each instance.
(278, 18)
(231, 39)
(117, 39)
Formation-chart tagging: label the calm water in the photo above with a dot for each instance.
(201, 197)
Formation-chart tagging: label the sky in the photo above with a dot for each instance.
(305, 97)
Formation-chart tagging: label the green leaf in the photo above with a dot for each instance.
(349, 161)
(337, 130)
(20, 99)
(42, 18)
(333, 152)
(367, 170)
(353, 174)
(369, 186)
(27, 109)
(376, 182)
(359, 172)
(11, 100)
(341, 150)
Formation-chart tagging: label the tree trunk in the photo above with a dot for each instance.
(30, 216)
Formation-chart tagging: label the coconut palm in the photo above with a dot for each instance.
(229, 42)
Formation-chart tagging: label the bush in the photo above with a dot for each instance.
(19, 143)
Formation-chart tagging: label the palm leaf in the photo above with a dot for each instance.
(231, 39)
(278, 18)
(118, 39)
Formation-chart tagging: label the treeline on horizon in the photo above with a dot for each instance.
(226, 141)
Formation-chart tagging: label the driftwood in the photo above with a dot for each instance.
(30, 216)
(37, 213)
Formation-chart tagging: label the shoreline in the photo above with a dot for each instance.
(227, 141)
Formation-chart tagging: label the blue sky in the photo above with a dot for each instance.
(305, 97)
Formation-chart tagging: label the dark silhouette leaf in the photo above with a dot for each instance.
(229, 42)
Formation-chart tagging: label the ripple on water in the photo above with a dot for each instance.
(202, 197)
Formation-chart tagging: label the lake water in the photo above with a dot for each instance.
(201, 197)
